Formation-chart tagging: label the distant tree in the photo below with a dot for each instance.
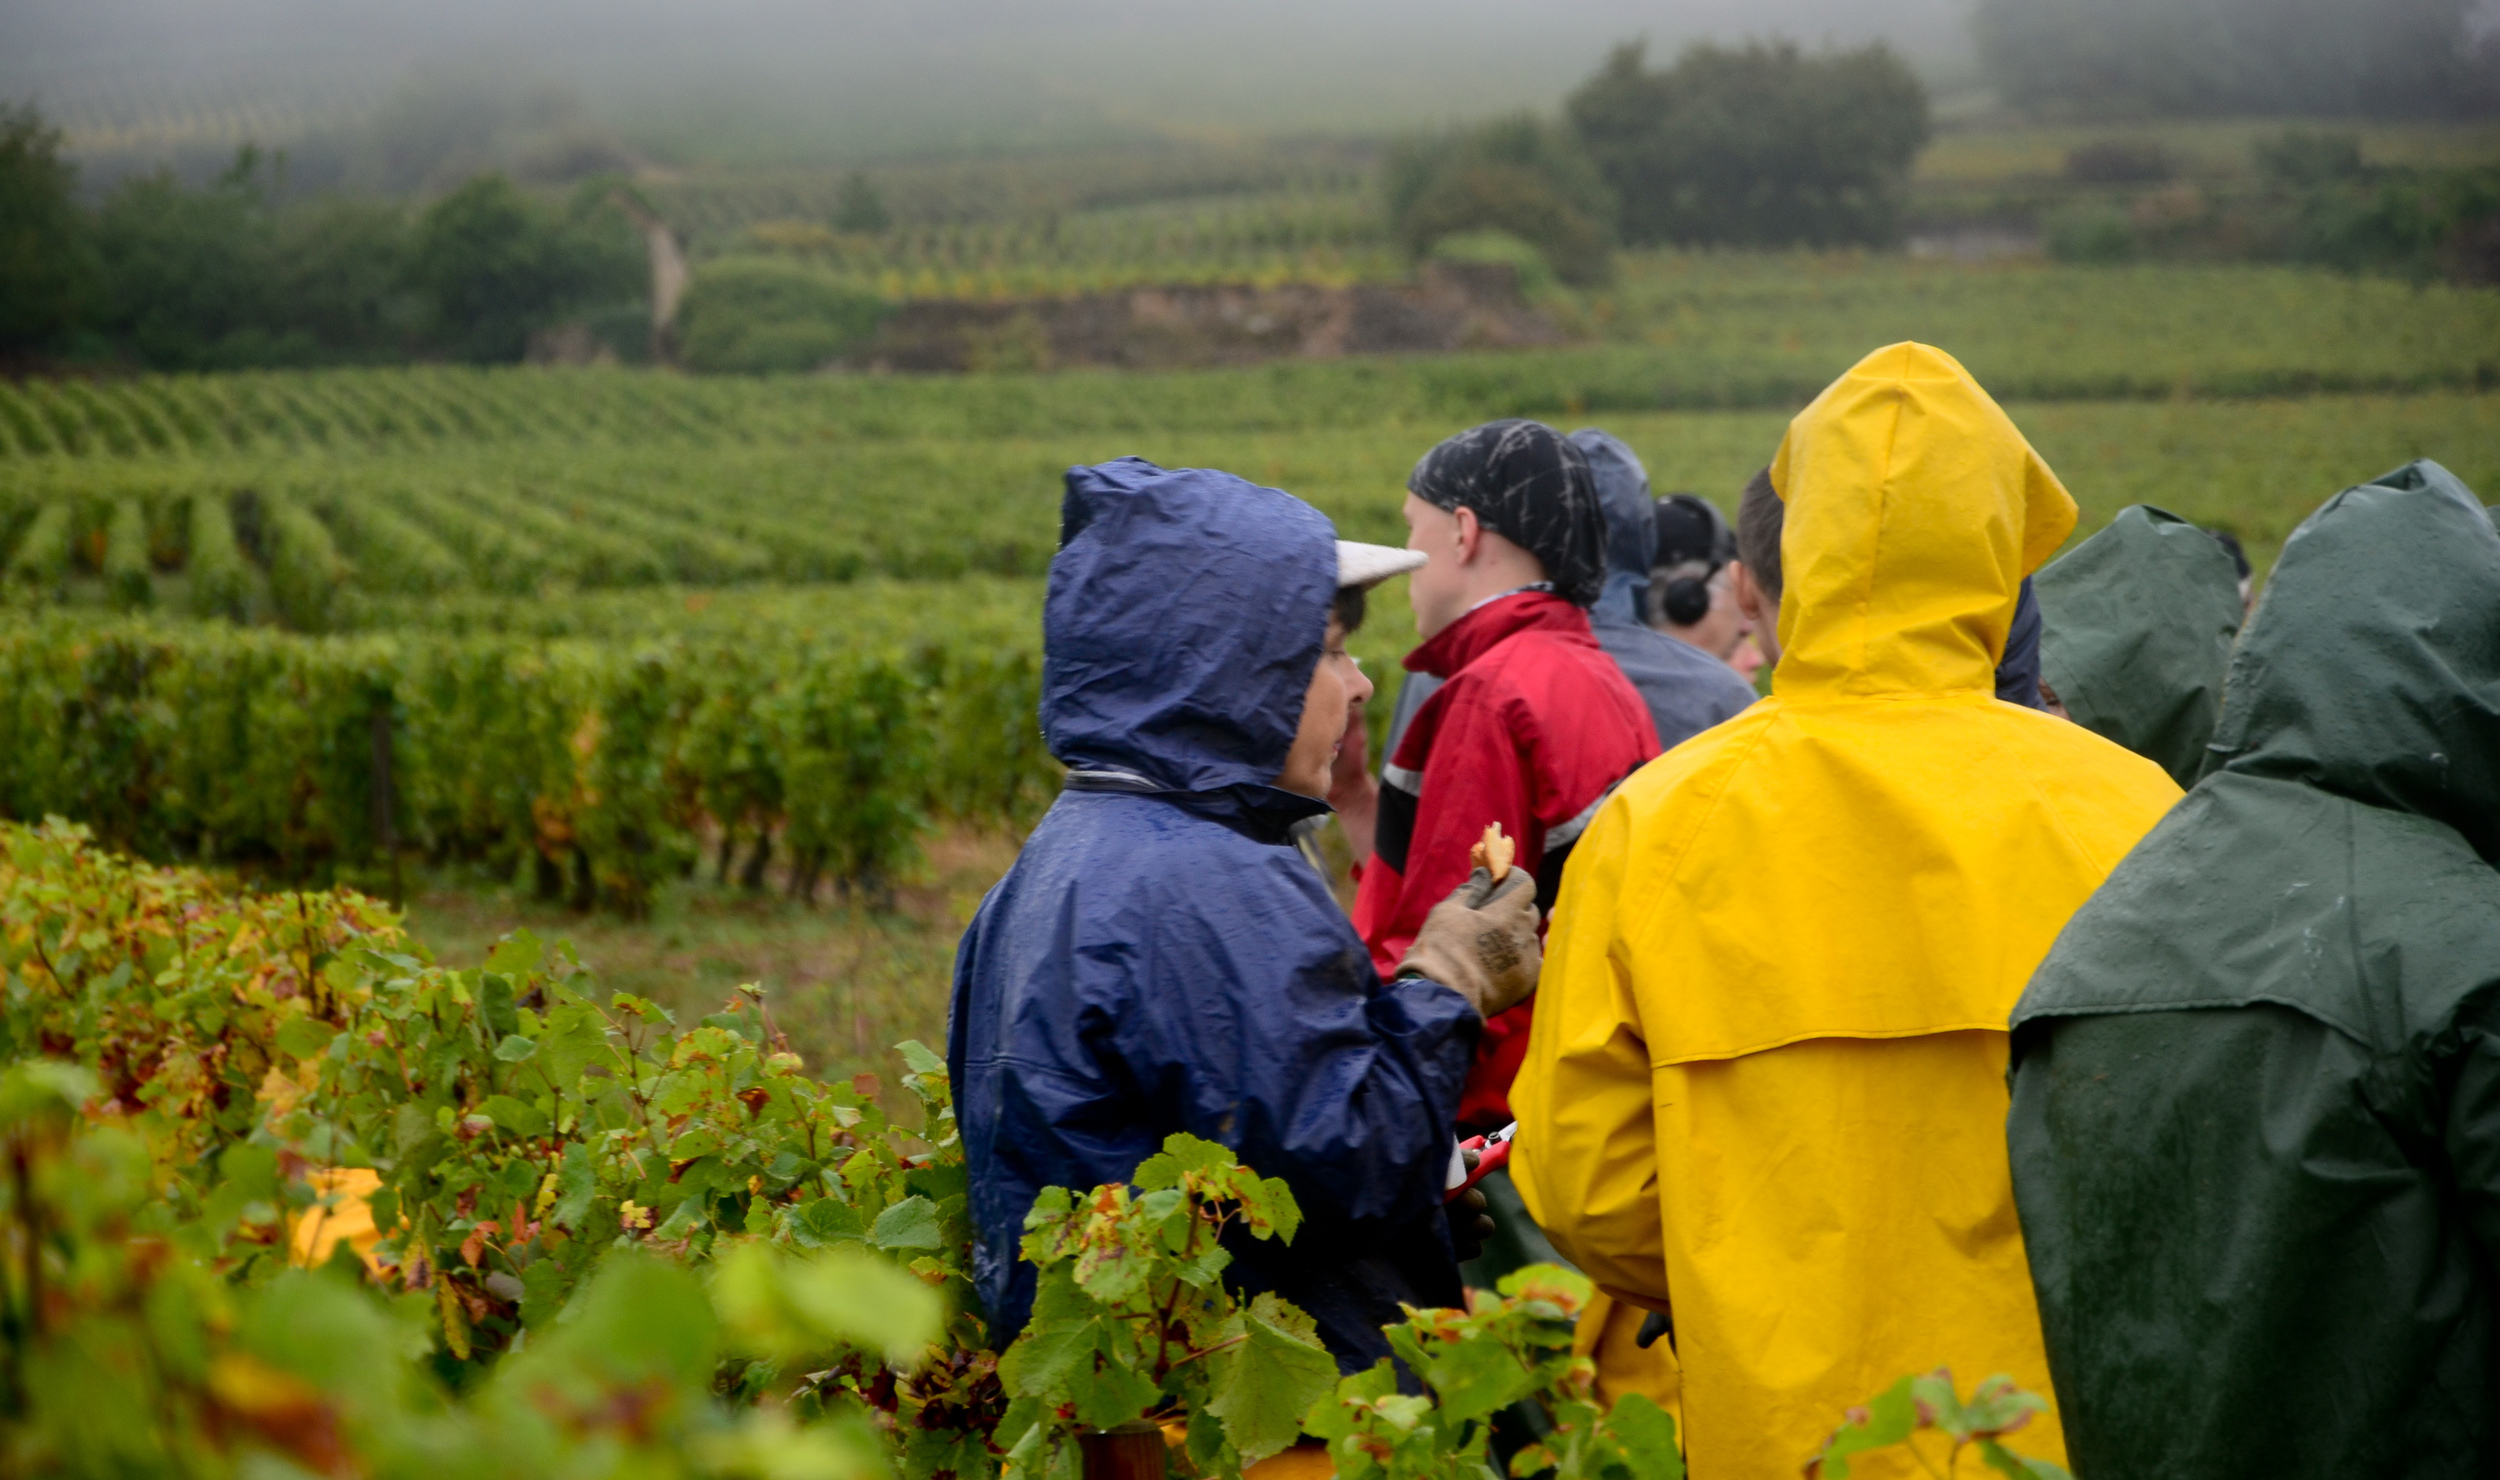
(494, 265)
(1758, 145)
(190, 276)
(341, 265)
(2332, 58)
(860, 207)
(1515, 175)
(47, 264)
(761, 314)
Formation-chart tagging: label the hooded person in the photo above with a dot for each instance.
(1687, 690)
(2256, 1110)
(1532, 724)
(2137, 627)
(1765, 1089)
(1689, 597)
(1161, 959)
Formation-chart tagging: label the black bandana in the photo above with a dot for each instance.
(1528, 484)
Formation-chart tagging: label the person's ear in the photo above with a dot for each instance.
(1751, 599)
(1470, 534)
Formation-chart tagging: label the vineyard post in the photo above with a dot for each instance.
(385, 828)
(1134, 1452)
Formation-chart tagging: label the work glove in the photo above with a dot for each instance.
(1481, 942)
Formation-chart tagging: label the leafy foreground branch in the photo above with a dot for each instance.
(279, 1196)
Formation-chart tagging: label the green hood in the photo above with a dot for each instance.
(2137, 624)
(2255, 1126)
(2371, 667)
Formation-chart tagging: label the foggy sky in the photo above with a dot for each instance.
(757, 80)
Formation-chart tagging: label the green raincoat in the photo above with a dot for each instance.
(2256, 1083)
(2137, 625)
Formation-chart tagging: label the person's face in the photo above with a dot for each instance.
(1447, 538)
(1333, 703)
(1762, 612)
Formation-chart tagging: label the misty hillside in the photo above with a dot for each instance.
(781, 81)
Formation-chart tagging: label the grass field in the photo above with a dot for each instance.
(845, 983)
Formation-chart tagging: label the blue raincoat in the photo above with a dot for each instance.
(1161, 959)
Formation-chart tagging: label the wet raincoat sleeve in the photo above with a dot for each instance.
(1594, 1096)
(1284, 1045)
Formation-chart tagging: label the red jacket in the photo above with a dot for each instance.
(1533, 728)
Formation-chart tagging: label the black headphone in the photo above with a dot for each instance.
(1690, 532)
(1685, 600)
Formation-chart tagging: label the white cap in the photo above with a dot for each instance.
(1368, 565)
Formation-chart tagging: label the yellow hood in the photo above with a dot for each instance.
(1915, 509)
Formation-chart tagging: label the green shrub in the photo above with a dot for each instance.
(1536, 276)
(494, 265)
(2091, 234)
(1757, 145)
(47, 264)
(1515, 176)
(760, 314)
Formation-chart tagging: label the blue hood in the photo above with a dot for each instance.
(1185, 616)
(1631, 520)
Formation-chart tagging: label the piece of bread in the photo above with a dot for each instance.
(1494, 852)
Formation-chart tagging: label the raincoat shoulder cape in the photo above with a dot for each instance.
(2138, 623)
(1161, 959)
(1765, 1085)
(2256, 1114)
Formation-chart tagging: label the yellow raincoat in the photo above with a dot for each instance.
(1766, 1079)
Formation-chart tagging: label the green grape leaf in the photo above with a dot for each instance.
(304, 1037)
(1647, 1434)
(823, 1221)
(1889, 1418)
(517, 954)
(1262, 1387)
(514, 1116)
(516, 1049)
(547, 1284)
(1045, 1357)
(1110, 1393)
(577, 1183)
(496, 1005)
(1474, 1379)
(909, 1224)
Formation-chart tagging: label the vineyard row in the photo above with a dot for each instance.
(315, 545)
(596, 766)
(1279, 231)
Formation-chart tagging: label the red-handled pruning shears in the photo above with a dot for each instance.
(1491, 1152)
